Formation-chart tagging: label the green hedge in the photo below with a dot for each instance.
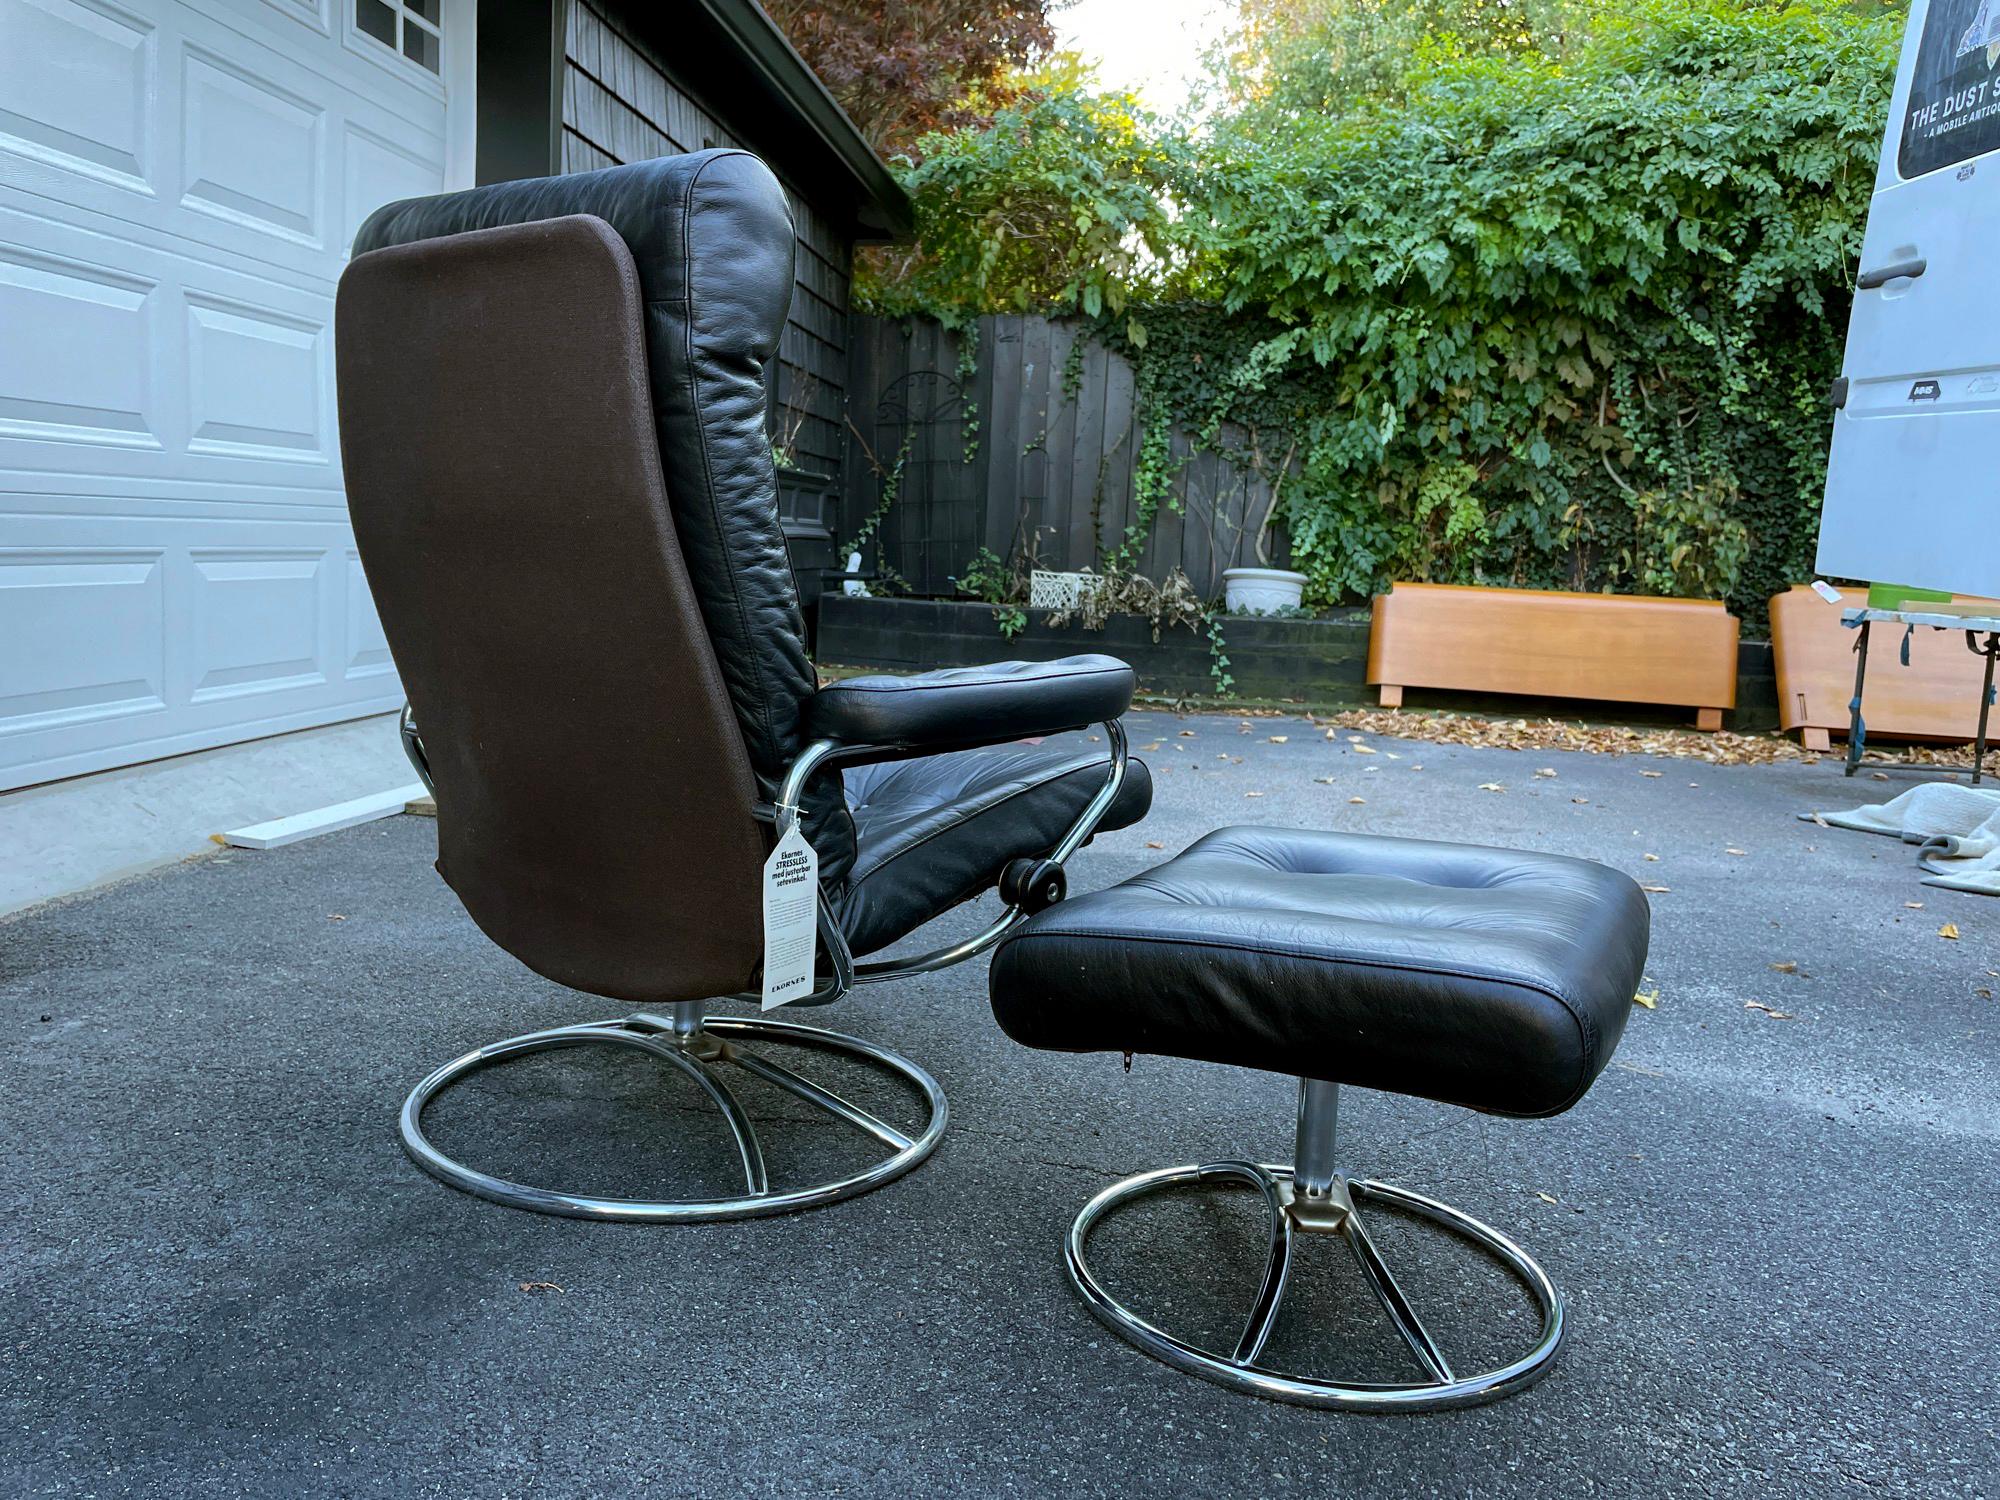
(1541, 316)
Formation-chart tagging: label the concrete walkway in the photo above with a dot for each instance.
(69, 836)
(222, 1278)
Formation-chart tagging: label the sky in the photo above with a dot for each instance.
(1152, 47)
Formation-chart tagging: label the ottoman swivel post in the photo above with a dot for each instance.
(1313, 1166)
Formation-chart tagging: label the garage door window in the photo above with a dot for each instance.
(408, 26)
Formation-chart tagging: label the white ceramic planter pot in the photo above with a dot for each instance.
(1261, 591)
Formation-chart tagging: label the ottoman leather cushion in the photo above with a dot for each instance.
(1491, 978)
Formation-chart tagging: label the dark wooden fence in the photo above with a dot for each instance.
(1010, 456)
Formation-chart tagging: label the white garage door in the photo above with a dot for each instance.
(179, 183)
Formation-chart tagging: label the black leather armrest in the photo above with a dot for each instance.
(963, 706)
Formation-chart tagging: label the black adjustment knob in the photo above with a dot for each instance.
(1033, 884)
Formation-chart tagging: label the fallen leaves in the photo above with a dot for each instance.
(1154, 844)
(1253, 794)
(1324, 780)
(1656, 890)
(1949, 931)
(1723, 747)
(540, 1286)
(1357, 799)
(1776, 1015)
(1785, 968)
(1546, 771)
(1738, 852)
(1581, 801)
(1491, 786)
(1650, 999)
(1913, 906)
(1279, 739)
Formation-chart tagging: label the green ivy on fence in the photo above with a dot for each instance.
(1557, 313)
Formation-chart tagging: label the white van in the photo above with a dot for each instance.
(1913, 486)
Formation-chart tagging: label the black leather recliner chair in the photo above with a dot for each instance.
(552, 411)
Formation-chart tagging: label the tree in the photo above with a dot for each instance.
(1058, 202)
(1289, 57)
(901, 68)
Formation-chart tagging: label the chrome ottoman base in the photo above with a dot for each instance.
(1311, 1198)
(697, 1046)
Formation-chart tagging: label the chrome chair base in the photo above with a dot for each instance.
(696, 1045)
(1305, 1201)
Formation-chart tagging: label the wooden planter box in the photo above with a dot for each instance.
(1936, 697)
(1611, 647)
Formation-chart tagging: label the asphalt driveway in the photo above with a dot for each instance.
(1774, 1216)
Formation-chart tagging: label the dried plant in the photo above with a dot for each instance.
(1172, 601)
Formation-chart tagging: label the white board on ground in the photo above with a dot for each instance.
(281, 831)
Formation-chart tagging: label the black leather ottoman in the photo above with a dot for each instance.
(1490, 978)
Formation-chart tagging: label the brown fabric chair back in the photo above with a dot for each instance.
(595, 802)
(713, 242)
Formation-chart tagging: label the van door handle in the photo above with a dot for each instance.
(1867, 281)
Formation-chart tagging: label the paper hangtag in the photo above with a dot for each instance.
(791, 918)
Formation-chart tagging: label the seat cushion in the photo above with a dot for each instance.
(1490, 978)
(937, 831)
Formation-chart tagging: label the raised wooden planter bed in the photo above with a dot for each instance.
(1311, 661)
(1322, 662)
(1609, 647)
(1936, 697)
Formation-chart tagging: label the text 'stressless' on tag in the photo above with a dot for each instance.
(791, 909)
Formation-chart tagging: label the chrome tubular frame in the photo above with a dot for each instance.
(694, 1044)
(1312, 1197)
(822, 754)
(413, 747)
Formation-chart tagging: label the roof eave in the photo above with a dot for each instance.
(884, 209)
